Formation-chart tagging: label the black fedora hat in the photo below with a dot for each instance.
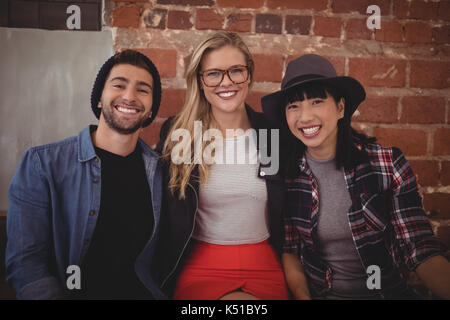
(307, 69)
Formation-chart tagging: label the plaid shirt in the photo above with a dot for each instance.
(388, 224)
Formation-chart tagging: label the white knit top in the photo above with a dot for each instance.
(233, 203)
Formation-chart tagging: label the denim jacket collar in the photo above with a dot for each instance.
(86, 149)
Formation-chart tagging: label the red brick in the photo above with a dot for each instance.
(448, 113)
(129, 0)
(444, 175)
(327, 26)
(417, 32)
(444, 10)
(208, 19)
(186, 2)
(437, 204)
(164, 60)
(318, 5)
(179, 20)
(254, 100)
(155, 18)
(186, 60)
(240, 4)
(337, 62)
(126, 17)
(172, 101)
(391, 31)
(298, 24)
(239, 22)
(441, 34)
(416, 9)
(378, 72)
(423, 10)
(430, 74)
(268, 23)
(412, 142)
(268, 68)
(378, 110)
(441, 141)
(357, 29)
(346, 6)
(426, 171)
(150, 134)
(420, 109)
(401, 9)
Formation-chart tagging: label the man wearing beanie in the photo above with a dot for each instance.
(84, 212)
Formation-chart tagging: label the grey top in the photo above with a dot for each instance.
(335, 239)
(233, 203)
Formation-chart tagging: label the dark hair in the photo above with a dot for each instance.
(292, 149)
(133, 58)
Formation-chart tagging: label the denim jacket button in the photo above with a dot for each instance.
(91, 213)
(95, 180)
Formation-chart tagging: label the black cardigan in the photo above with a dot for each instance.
(177, 216)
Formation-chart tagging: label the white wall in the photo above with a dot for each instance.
(46, 79)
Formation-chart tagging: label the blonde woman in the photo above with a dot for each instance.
(221, 229)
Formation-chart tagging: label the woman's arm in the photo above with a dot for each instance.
(295, 276)
(421, 250)
(435, 274)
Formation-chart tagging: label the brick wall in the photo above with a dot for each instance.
(404, 66)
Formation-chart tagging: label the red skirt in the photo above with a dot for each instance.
(213, 271)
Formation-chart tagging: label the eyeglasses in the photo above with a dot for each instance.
(214, 77)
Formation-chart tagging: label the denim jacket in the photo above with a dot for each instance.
(54, 200)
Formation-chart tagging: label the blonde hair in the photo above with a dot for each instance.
(197, 108)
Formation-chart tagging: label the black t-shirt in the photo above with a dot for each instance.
(123, 228)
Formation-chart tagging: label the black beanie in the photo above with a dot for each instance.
(100, 80)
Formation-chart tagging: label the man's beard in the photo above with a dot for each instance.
(117, 125)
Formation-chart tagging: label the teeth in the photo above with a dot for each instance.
(227, 94)
(126, 110)
(311, 130)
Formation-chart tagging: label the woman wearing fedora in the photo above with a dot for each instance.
(354, 222)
